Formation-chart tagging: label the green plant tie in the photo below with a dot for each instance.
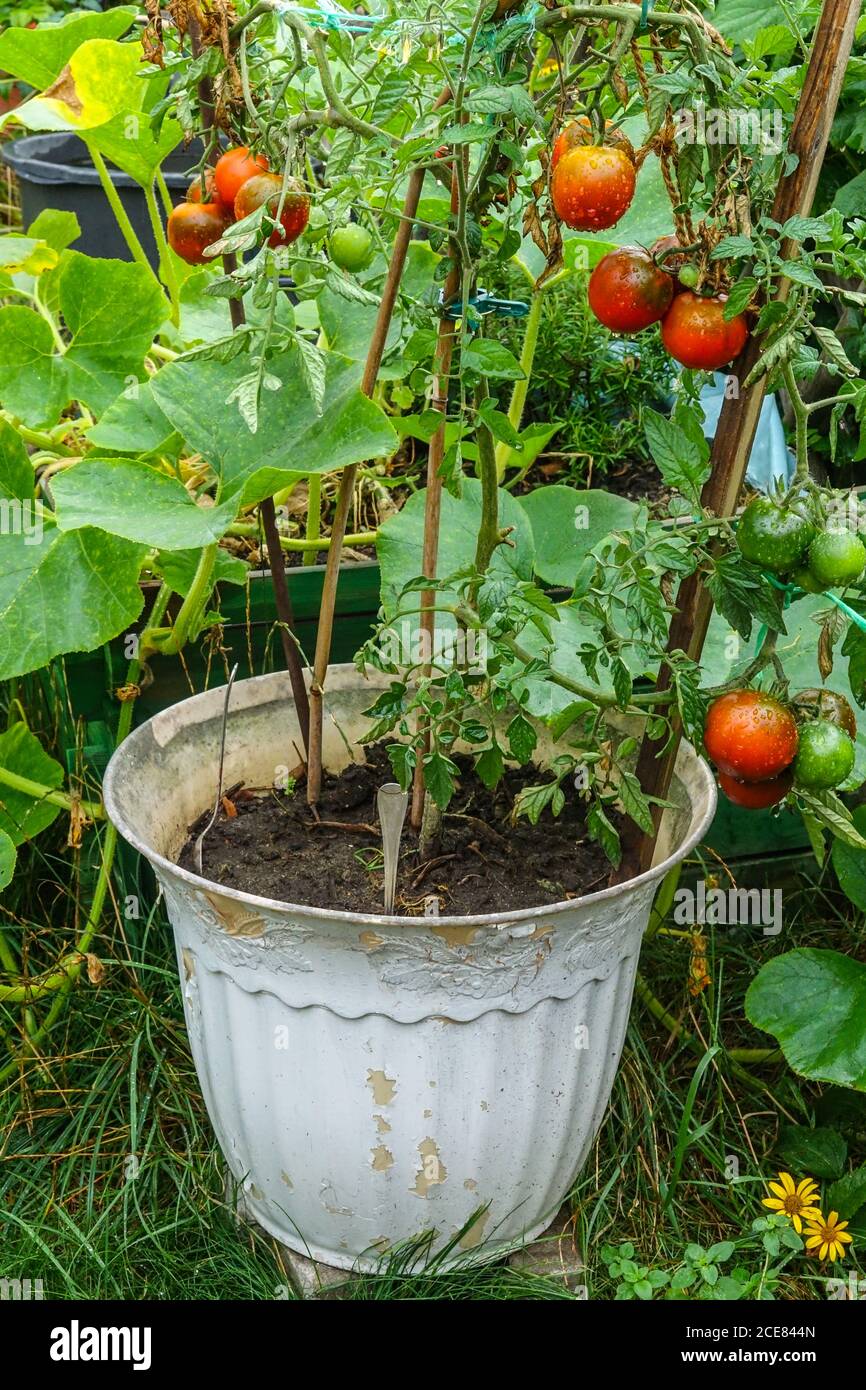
(479, 305)
(790, 592)
(328, 19)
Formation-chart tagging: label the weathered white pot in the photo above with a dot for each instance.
(370, 1078)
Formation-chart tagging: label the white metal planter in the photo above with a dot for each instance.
(370, 1078)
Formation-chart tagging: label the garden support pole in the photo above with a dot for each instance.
(347, 486)
(277, 564)
(433, 506)
(267, 511)
(831, 49)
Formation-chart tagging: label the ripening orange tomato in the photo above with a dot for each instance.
(232, 170)
(592, 186)
(193, 227)
(266, 188)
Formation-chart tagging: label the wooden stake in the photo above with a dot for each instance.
(433, 510)
(831, 49)
(346, 490)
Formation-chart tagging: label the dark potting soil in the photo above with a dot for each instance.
(269, 844)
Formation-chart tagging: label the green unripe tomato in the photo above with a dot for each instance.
(317, 227)
(774, 537)
(805, 579)
(688, 276)
(825, 756)
(351, 247)
(837, 557)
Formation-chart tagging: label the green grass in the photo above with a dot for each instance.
(111, 1184)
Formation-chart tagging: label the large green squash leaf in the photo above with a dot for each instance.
(814, 1002)
(25, 255)
(291, 439)
(133, 424)
(102, 96)
(70, 592)
(16, 471)
(20, 816)
(7, 859)
(567, 522)
(540, 696)
(37, 56)
(740, 20)
(133, 500)
(400, 544)
(33, 380)
(112, 310)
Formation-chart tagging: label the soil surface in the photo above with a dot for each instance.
(268, 843)
(637, 479)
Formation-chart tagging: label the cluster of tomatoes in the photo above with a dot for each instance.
(591, 187)
(762, 748)
(783, 541)
(239, 183)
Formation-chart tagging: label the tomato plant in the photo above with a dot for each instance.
(825, 756)
(291, 207)
(757, 796)
(825, 704)
(351, 247)
(836, 558)
(164, 427)
(776, 538)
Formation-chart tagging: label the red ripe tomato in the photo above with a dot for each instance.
(757, 796)
(695, 332)
(232, 170)
(579, 132)
(592, 186)
(266, 188)
(192, 227)
(628, 291)
(750, 735)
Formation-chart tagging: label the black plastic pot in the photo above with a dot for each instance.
(55, 171)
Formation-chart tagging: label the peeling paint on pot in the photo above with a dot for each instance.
(484, 1048)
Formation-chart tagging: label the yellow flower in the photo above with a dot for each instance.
(796, 1200)
(827, 1238)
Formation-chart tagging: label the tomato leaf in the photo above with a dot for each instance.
(682, 459)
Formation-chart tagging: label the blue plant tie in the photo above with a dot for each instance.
(644, 10)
